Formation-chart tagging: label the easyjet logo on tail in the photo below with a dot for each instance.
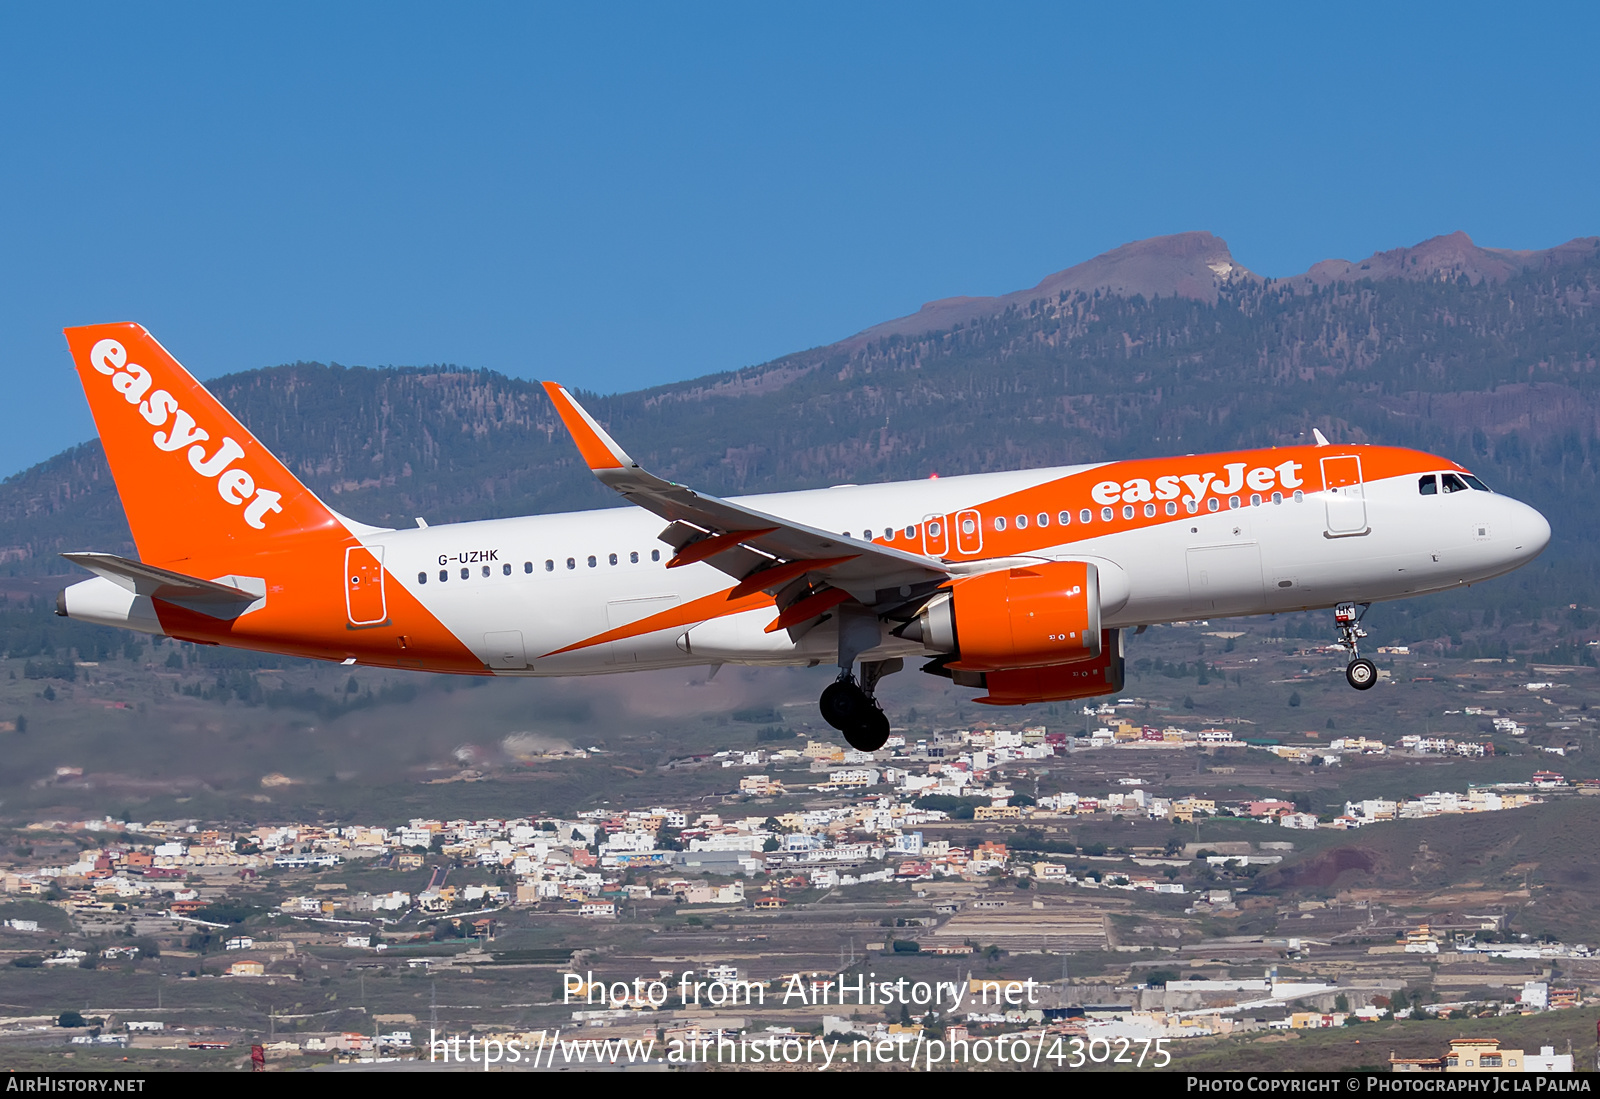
(234, 485)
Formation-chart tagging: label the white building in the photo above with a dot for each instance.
(1547, 1060)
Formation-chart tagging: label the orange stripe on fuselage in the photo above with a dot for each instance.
(1140, 482)
(305, 614)
(716, 605)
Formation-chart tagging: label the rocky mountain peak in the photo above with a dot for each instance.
(1189, 265)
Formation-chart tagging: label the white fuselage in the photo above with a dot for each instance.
(579, 575)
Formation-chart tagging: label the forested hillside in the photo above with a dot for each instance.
(1498, 374)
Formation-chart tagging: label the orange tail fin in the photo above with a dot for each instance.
(194, 483)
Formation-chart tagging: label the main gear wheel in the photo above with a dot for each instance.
(856, 714)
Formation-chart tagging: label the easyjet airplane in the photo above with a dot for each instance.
(1019, 584)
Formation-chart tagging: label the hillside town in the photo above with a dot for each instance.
(954, 826)
(874, 836)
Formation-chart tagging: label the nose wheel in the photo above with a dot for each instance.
(849, 707)
(1360, 672)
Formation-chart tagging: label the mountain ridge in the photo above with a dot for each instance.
(1499, 371)
(1198, 265)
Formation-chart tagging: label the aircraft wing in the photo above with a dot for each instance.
(763, 552)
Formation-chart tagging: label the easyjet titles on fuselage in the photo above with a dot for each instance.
(1139, 490)
(234, 485)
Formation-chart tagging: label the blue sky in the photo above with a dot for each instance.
(626, 195)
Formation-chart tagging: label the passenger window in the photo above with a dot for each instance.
(968, 526)
(1042, 519)
(866, 536)
(549, 565)
(1022, 522)
(1065, 518)
(1105, 515)
(999, 522)
(1085, 516)
(1426, 486)
(633, 558)
(1127, 511)
(1172, 507)
(506, 568)
(571, 564)
(1149, 511)
(613, 559)
(1233, 503)
(444, 574)
(1212, 503)
(592, 561)
(1255, 499)
(422, 578)
(911, 532)
(486, 570)
(888, 534)
(1277, 497)
(655, 555)
(465, 573)
(1452, 483)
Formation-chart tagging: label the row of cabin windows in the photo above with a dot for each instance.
(549, 566)
(1107, 514)
(1427, 486)
(969, 526)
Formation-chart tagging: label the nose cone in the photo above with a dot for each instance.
(1530, 531)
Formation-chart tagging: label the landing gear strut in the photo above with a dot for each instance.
(846, 704)
(1360, 673)
(849, 706)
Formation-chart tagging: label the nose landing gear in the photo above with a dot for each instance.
(1360, 672)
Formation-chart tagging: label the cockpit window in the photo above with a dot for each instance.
(1427, 486)
(1452, 483)
(1475, 483)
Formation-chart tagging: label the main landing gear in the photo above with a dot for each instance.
(849, 706)
(1360, 673)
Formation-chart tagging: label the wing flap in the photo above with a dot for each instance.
(712, 545)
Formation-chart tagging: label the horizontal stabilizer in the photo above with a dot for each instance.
(172, 587)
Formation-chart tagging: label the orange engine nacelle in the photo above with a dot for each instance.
(1032, 617)
(1084, 679)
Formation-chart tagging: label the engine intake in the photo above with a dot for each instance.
(1032, 617)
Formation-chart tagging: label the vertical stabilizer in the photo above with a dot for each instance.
(194, 483)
